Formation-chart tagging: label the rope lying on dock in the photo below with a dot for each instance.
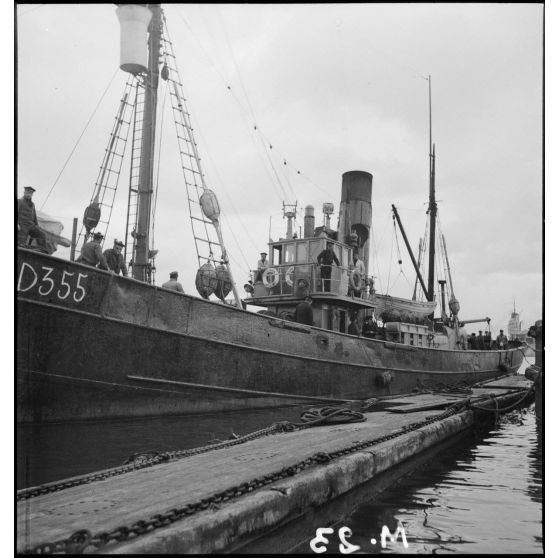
(83, 538)
(315, 416)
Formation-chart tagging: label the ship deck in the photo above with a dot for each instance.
(226, 499)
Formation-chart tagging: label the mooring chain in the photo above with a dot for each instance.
(83, 538)
(149, 459)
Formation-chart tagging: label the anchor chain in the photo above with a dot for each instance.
(159, 520)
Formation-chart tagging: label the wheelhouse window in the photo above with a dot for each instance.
(288, 253)
(302, 252)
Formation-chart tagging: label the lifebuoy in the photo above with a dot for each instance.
(289, 276)
(270, 277)
(355, 280)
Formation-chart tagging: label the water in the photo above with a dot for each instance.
(483, 494)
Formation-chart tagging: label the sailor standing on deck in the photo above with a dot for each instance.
(502, 341)
(172, 284)
(325, 260)
(27, 224)
(92, 253)
(304, 313)
(114, 258)
(263, 264)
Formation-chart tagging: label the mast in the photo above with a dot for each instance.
(140, 269)
(432, 207)
(409, 249)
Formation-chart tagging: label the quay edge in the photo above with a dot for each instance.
(244, 521)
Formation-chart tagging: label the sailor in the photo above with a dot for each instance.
(261, 266)
(172, 284)
(92, 253)
(480, 341)
(114, 258)
(303, 312)
(354, 327)
(487, 340)
(325, 260)
(502, 341)
(356, 276)
(27, 224)
(368, 327)
(473, 341)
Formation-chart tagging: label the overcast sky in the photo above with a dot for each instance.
(332, 88)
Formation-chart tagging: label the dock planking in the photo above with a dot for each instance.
(104, 505)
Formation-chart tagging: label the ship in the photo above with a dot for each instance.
(518, 337)
(92, 344)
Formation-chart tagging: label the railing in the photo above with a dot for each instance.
(295, 279)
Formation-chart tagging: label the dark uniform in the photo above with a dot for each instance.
(27, 223)
(304, 313)
(115, 261)
(92, 254)
(325, 259)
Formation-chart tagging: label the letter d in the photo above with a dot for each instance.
(21, 272)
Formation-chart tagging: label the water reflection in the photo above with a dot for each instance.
(481, 496)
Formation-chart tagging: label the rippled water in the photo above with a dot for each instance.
(483, 495)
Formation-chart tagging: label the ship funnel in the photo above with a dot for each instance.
(355, 212)
(134, 20)
(309, 221)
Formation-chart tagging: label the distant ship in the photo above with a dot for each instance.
(95, 345)
(518, 336)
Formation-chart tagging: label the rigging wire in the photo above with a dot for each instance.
(80, 136)
(156, 193)
(255, 126)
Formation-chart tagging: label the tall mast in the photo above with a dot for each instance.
(140, 269)
(432, 207)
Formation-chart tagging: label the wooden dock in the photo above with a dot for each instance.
(222, 499)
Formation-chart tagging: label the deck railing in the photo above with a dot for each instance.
(295, 279)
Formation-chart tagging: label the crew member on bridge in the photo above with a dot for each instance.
(27, 224)
(263, 264)
(325, 260)
(92, 253)
(115, 260)
(172, 284)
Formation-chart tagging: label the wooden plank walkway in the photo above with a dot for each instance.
(122, 500)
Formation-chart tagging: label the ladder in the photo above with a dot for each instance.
(208, 248)
(106, 184)
(137, 135)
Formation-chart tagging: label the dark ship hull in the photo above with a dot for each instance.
(93, 345)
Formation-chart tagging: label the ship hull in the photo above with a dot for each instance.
(93, 345)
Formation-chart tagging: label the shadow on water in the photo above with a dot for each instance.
(482, 494)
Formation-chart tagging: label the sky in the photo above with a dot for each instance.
(286, 98)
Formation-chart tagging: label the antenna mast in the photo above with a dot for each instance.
(432, 207)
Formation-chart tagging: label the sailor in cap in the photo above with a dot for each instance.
(115, 260)
(173, 284)
(262, 265)
(92, 253)
(27, 224)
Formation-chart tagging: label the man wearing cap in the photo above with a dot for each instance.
(114, 258)
(263, 264)
(27, 224)
(172, 284)
(92, 253)
(325, 260)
